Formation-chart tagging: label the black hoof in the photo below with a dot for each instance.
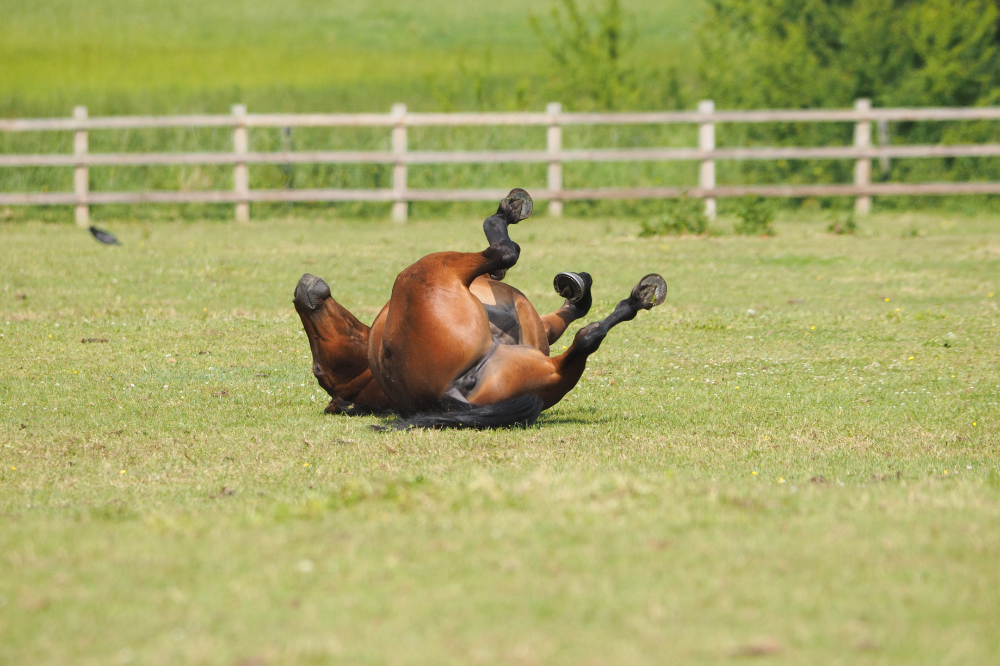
(516, 206)
(572, 286)
(311, 292)
(650, 292)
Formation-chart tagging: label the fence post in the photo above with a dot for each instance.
(883, 141)
(287, 146)
(706, 141)
(554, 141)
(241, 176)
(863, 168)
(81, 175)
(400, 205)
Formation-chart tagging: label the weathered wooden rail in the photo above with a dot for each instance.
(398, 120)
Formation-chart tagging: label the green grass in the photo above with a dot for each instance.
(163, 55)
(174, 56)
(815, 480)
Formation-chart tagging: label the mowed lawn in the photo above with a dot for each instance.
(793, 460)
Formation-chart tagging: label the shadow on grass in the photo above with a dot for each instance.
(385, 425)
(569, 419)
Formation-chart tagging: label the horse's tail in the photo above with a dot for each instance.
(521, 411)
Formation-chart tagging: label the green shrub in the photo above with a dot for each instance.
(845, 223)
(756, 215)
(804, 54)
(588, 46)
(801, 54)
(682, 216)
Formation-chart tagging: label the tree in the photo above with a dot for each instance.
(816, 53)
(589, 49)
(828, 53)
(823, 53)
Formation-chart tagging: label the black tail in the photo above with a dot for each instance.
(522, 411)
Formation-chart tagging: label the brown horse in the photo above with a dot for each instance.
(455, 346)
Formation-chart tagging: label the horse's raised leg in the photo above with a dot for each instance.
(513, 371)
(339, 345)
(575, 288)
(650, 292)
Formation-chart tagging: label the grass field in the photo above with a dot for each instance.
(795, 458)
(174, 56)
(125, 56)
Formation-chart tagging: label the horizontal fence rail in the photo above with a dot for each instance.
(399, 119)
(513, 118)
(498, 157)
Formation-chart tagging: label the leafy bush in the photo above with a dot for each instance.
(589, 48)
(806, 54)
(682, 215)
(787, 54)
(845, 223)
(756, 215)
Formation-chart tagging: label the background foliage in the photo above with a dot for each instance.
(173, 56)
(809, 54)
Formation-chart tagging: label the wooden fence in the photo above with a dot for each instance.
(398, 120)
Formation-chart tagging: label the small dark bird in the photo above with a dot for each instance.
(104, 236)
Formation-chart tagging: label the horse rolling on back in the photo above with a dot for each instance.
(455, 346)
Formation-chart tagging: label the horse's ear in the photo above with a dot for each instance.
(516, 206)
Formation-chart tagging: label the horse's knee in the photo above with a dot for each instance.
(503, 253)
(589, 338)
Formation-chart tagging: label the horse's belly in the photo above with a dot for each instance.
(417, 352)
(505, 325)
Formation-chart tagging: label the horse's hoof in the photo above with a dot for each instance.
(516, 206)
(650, 292)
(311, 292)
(572, 286)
